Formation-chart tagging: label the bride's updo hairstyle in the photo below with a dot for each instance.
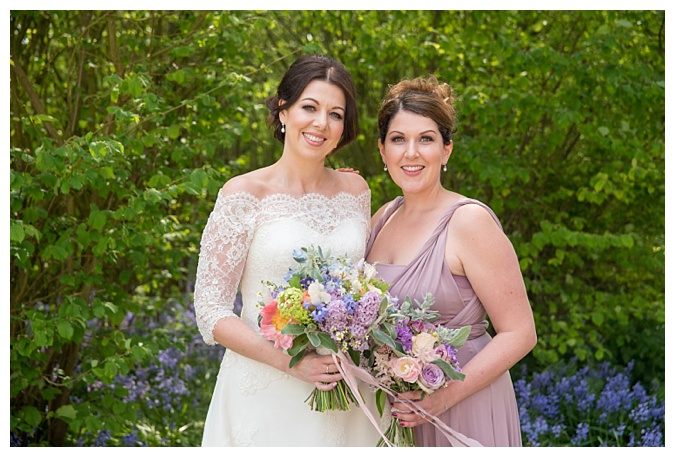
(308, 68)
(424, 96)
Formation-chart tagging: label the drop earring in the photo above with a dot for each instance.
(445, 168)
(385, 167)
(283, 128)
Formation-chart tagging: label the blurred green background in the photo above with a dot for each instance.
(124, 125)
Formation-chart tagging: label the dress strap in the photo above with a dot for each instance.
(443, 222)
(388, 211)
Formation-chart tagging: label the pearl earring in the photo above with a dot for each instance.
(445, 168)
(385, 167)
(283, 128)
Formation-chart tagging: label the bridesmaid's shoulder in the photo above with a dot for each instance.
(473, 216)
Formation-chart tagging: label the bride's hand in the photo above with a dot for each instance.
(317, 369)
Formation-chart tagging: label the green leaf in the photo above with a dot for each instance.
(299, 344)
(98, 149)
(459, 337)
(106, 172)
(380, 400)
(66, 412)
(199, 178)
(314, 339)
(16, 233)
(96, 219)
(111, 369)
(355, 356)
(31, 415)
(598, 318)
(449, 370)
(293, 329)
(326, 341)
(65, 329)
(382, 338)
(296, 358)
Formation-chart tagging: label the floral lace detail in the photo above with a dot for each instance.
(247, 240)
(254, 375)
(224, 243)
(244, 434)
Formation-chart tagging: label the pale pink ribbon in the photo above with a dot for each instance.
(351, 373)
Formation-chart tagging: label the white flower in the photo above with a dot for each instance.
(423, 347)
(369, 271)
(317, 293)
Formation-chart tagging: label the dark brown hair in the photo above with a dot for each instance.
(424, 96)
(306, 69)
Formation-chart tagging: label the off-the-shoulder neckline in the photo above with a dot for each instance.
(297, 197)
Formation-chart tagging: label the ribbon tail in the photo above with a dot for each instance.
(349, 372)
(350, 380)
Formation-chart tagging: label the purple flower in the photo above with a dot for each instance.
(418, 326)
(304, 283)
(432, 376)
(348, 299)
(319, 312)
(366, 312)
(404, 335)
(358, 334)
(337, 318)
(448, 353)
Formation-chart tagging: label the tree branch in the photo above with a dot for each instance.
(35, 101)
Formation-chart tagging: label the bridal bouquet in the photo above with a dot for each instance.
(328, 304)
(409, 353)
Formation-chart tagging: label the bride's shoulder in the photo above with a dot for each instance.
(350, 182)
(252, 184)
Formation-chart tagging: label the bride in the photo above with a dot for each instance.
(259, 219)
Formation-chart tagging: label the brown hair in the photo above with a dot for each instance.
(304, 70)
(424, 96)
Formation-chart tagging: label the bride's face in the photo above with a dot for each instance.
(414, 152)
(314, 124)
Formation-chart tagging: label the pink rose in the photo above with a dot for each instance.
(406, 368)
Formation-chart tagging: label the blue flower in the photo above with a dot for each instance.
(581, 435)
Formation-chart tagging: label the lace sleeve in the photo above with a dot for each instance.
(224, 246)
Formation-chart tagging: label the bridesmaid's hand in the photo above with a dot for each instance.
(348, 170)
(433, 404)
(317, 369)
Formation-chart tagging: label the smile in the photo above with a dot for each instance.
(412, 167)
(313, 138)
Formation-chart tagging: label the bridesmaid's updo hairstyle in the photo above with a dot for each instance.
(424, 96)
(308, 68)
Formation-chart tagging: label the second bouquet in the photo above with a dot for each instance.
(328, 305)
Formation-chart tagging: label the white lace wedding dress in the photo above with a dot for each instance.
(246, 241)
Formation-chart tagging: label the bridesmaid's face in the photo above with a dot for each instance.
(414, 152)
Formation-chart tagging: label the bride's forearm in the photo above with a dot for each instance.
(237, 336)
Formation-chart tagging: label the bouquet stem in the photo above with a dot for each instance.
(338, 398)
(398, 436)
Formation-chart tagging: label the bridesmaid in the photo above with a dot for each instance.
(435, 240)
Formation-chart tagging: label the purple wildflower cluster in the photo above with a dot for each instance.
(594, 406)
(162, 391)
